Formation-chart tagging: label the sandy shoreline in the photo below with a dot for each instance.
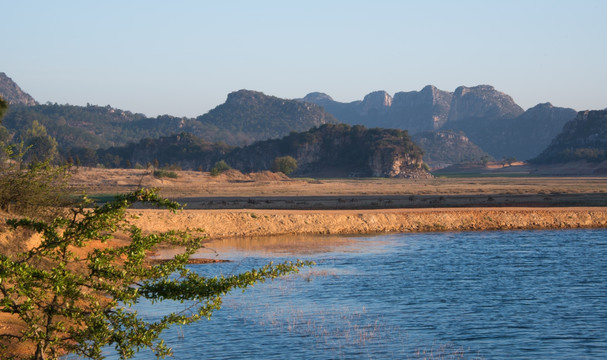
(238, 223)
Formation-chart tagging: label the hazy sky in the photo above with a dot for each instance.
(183, 57)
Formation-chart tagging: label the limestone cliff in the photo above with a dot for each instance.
(423, 110)
(482, 101)
(375, 104)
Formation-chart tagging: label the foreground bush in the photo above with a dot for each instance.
(78, 301)
(36, 190)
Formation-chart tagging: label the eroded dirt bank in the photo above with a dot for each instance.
(235, 223)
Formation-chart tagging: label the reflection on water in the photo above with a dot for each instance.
(283, 245)
(493, 295)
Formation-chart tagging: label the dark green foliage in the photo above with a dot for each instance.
(219, 167)
(40, 146)
(331, 150)
(253, 116)
(284, 164)
(3, 107)
(37, 190)
(81, 303)
(4, 133)
(160, 173)
(184, 151)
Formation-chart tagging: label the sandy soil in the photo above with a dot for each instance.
(219, 224)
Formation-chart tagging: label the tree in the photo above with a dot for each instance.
(38, 190)
(40, 145)
(3, 107)
(220, 167)
(4, 134)
(78, 302)
(284, 164)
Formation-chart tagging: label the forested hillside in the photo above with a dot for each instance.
(329, 150)
(584, 138)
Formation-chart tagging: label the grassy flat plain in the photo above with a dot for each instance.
(266, 190)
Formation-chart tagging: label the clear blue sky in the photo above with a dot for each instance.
(183, 57)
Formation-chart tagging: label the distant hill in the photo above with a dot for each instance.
(444, 148)
(489, 118)
(338, 151)
(246, 117)
(328, 151)
(79, 126)
(522, 137)
(584, 138)
(12, 93)
(184, 150)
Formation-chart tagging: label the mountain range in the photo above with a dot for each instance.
(470, 124)
(489, 118)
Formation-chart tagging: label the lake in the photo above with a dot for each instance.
(491, 295)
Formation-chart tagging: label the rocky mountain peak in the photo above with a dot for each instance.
(546, 105)
(556, 116)
(482, 101)
(12, 93)
(243, 97)
(421, 110)
(376, 102)
(317, 98)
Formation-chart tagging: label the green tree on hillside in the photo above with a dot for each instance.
(4, 134)
(3, 107)
(284, 164)
(219, 167)
(38, 190)
(75, 297)
(40, 145)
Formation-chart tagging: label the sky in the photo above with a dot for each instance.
(183, 58)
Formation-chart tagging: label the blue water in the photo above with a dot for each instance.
(493, 295)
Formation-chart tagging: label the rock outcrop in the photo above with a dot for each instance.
(12, 93)
(418, 111)
(376, 104)
(482, 102)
